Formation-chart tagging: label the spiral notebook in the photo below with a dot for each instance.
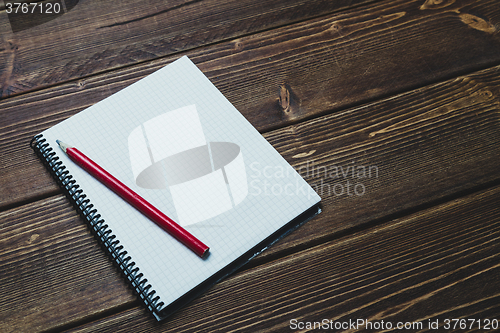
(173, 138)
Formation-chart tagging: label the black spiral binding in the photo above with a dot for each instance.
(96, 224)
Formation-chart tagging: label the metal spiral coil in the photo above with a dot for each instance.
(96, 224)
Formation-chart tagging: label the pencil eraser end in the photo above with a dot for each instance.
(206, 253)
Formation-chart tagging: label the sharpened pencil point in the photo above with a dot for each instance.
(63, 145)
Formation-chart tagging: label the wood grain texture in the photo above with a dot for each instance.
(392, 90)
(323, 71)
(423, 145)
(426, 145)
(436, 264)
(96, 36)
(52, 268)
(352, 57)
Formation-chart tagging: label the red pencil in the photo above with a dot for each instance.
(135, 200)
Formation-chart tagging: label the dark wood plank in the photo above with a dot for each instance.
(51, 267)
(352, 57)
(72, 46)
(438, 264)
(422, 146)
(324, 71)
(426, 144)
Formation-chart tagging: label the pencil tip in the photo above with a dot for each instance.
(63, 145)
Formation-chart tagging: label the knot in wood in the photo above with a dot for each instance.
(284, 98)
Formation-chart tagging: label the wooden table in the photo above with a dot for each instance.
(408, 90)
